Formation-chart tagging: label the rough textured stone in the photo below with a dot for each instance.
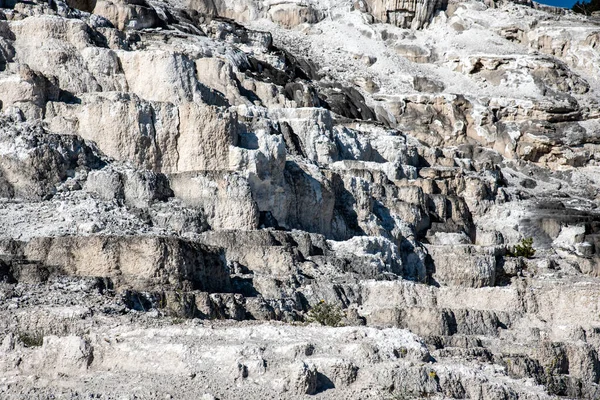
(404, 13)
(186, 185)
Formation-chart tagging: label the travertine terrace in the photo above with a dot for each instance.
(181, 181)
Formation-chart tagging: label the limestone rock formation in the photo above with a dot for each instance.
(404, 13)
(184, 184)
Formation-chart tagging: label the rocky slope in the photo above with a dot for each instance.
(181, 181)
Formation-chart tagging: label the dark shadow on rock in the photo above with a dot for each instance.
(303, 301)
(138, 301)
(7, 190)
(28, 272)
(302, 93)
(12, 3)
(344, 210)
(248, 140)
(103, 284)
(293, 144)
(267, 220)
(99, 39)
(83, 5)
(295, 68)
(345, 101)
(68, 97)
(212, 97)
(248, 94)
(310, 198)
(244, 286)
(430, 270)
(323, 383)
(6, 275)
(264, 72)
(301, 68)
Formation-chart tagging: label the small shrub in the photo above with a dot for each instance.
(403, 352)
(161, 304)
(325, 314)
(31, 339)
(523, 249)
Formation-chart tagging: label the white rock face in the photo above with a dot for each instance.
(62, 355)
(404, 13)
(376, 164)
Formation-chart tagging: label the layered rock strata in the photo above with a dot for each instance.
(181, 182)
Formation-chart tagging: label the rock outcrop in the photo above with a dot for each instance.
(413, 14)
(185, 185)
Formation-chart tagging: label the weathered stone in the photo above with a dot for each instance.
(133, 261)
(313, 158)
(405, 13)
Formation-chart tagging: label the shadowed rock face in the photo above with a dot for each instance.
(413, 14)
(183, 184)
(83, 5)
(35, 162)
(150, 261)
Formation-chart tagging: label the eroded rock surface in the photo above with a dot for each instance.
(181, 182)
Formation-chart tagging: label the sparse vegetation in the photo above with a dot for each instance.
(161, 304)
(31, 339)
(586, 7)
(325, 314)
(523, 249)
(403, 352)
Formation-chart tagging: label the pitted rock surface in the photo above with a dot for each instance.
(183, 181)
